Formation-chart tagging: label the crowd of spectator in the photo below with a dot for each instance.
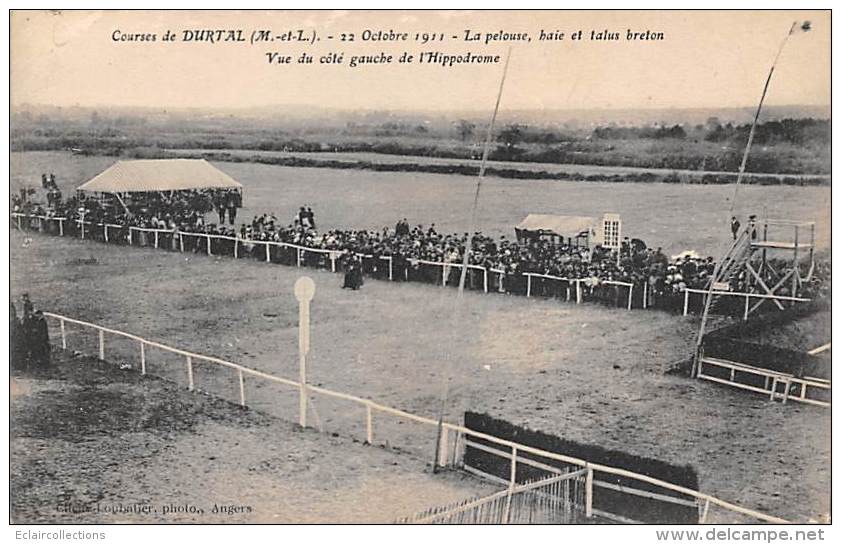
(402, 252)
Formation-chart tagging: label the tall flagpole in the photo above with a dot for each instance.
(467, 247)
(756, 119)
(708, 297)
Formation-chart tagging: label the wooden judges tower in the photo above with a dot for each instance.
(767, 262)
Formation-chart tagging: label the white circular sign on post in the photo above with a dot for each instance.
(304, 289)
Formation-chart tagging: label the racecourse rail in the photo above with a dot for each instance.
(572, 288)
(462, 435)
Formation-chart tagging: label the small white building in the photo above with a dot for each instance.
(572, 229)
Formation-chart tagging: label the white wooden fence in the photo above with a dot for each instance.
(454, 435)
(773, 381)
(572, 285)
(746, 296)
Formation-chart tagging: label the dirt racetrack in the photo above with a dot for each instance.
(584, 372)
(91, 443)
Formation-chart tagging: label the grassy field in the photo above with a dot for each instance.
(676, 217)
(383, 158)
(584, 372)
(88, 435)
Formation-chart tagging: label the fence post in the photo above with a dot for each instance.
(588, 494)
(83, 228)
(101, 345)
(298, 251)
(20, 225)
(507, 512)
(578, 291)
(241, 388)
(645, 295)
(236, 245)
(442, 450)
(332, 262)
(181, 241)
(443, 275)
(156, 238)
(63, 335)
(208, 245)
(630, 295)
(190, 372)
(143, 357)
(369, 425)
(105, 230)
(528, 285)
(486, 279)
(704, 512)
(268, 253)
(61, 227)
(685, 302)
(391, 268)
(747, 306)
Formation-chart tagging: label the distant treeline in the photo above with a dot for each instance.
(789, 146)
(470, 170)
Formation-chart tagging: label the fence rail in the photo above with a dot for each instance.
(772, 381)
(462, 434)
(573, 289)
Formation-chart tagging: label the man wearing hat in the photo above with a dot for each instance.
(734, 226)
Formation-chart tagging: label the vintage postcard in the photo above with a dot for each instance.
(409, 267)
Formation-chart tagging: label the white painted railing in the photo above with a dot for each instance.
(462, 433)
(772, 378)
(333, 255)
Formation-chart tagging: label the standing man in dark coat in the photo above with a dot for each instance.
(15, 340)
(40, 341)
(734, 226)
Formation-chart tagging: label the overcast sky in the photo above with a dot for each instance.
(707, 59)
